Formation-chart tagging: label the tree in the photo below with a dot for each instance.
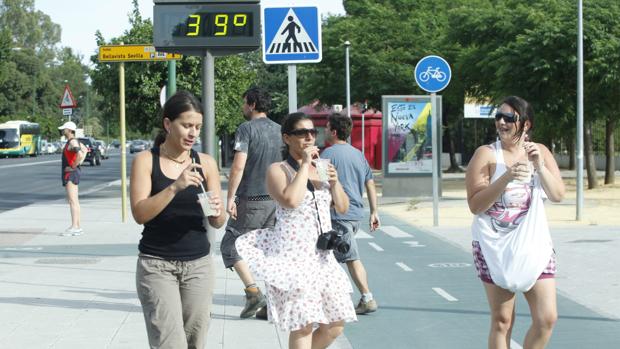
(32, 67)
(144, 81)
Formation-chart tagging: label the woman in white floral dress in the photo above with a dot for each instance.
(307, 291)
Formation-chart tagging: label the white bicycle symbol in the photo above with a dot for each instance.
(432, 73)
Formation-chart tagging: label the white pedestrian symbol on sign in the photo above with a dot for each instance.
(291, 29)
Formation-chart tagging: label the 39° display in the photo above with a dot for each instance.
(216, 24)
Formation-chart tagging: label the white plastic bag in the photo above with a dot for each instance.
(516, 260)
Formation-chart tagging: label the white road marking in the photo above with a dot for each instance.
(30, 164)
(444, 294)
(375, 246)
(362, 235)
(515, 345)
(403, 266)
(395, 232)
(413, 244)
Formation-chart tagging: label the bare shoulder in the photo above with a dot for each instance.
(143, 158)
(207, 160)
(484, 152)
(543, 148)
(276, 167)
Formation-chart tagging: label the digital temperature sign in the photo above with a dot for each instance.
(192, 27)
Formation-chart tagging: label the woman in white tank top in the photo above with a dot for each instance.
(505, 184)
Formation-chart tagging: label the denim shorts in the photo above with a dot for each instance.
(348, 229)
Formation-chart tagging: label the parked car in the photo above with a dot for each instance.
(93, 156)
(103, 149)
(59, 146)
(47, 147)
(138, 146)
(115, 143)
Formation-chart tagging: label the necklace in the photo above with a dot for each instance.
(177, 163)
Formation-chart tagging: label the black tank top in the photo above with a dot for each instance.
(177, 232)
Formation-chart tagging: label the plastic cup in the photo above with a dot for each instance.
(527, 179)
(321, 167)
(203, 198)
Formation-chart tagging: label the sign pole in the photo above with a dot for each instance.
(171, 86)
(292, 88)
(579, 212)
(208, 104)
(121, 92)
(435, 159)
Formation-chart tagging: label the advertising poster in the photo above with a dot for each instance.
(409, 136)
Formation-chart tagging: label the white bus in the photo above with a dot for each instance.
(20, 138)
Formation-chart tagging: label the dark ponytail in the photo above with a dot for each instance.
(176, 105)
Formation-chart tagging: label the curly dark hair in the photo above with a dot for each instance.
(342, 124)
(259, 97)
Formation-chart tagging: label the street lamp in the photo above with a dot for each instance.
(347, 44)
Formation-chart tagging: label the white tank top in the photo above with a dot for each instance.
(509, 209)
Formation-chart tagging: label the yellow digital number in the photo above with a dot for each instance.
(221, 21)
(195, 26)
(242, 17)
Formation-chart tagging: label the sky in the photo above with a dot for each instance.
(80, 19)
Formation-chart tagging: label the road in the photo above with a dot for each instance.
(429, 297)
(427, 290)
(24, 181)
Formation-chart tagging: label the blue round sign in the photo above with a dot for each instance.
(432, 73)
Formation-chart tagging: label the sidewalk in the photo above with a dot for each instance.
(79, 292)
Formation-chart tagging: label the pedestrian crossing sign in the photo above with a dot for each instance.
(291, 35)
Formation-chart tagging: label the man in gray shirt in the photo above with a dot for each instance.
(258, 144)
(354, 173)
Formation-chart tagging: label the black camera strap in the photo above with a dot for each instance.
(295, 165)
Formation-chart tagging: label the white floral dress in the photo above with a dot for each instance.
(305, 285)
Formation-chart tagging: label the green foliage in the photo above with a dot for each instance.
(33, 69)
(144, 80)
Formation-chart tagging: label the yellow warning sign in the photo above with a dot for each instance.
(134, 53)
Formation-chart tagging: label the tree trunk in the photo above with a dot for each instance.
(589, 155)
(572, 153)
(454, 166)
(610, 163)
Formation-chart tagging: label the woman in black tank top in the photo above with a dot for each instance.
(175, 276)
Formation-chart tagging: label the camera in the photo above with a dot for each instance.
(332, 240)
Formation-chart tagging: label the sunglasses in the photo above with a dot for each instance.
(508, 117)
(303, 132)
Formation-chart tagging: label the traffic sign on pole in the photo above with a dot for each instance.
(67, 111)
(432, 73)
(67, 100)
(291, 35)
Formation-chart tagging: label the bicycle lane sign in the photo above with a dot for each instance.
(432, 73)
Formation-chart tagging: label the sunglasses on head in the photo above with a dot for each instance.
(302, 132)
(508, 117)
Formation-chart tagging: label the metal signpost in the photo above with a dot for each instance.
(207, 29)
(432, 74)
(291, 35)
(67, 102)
(121, 54)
